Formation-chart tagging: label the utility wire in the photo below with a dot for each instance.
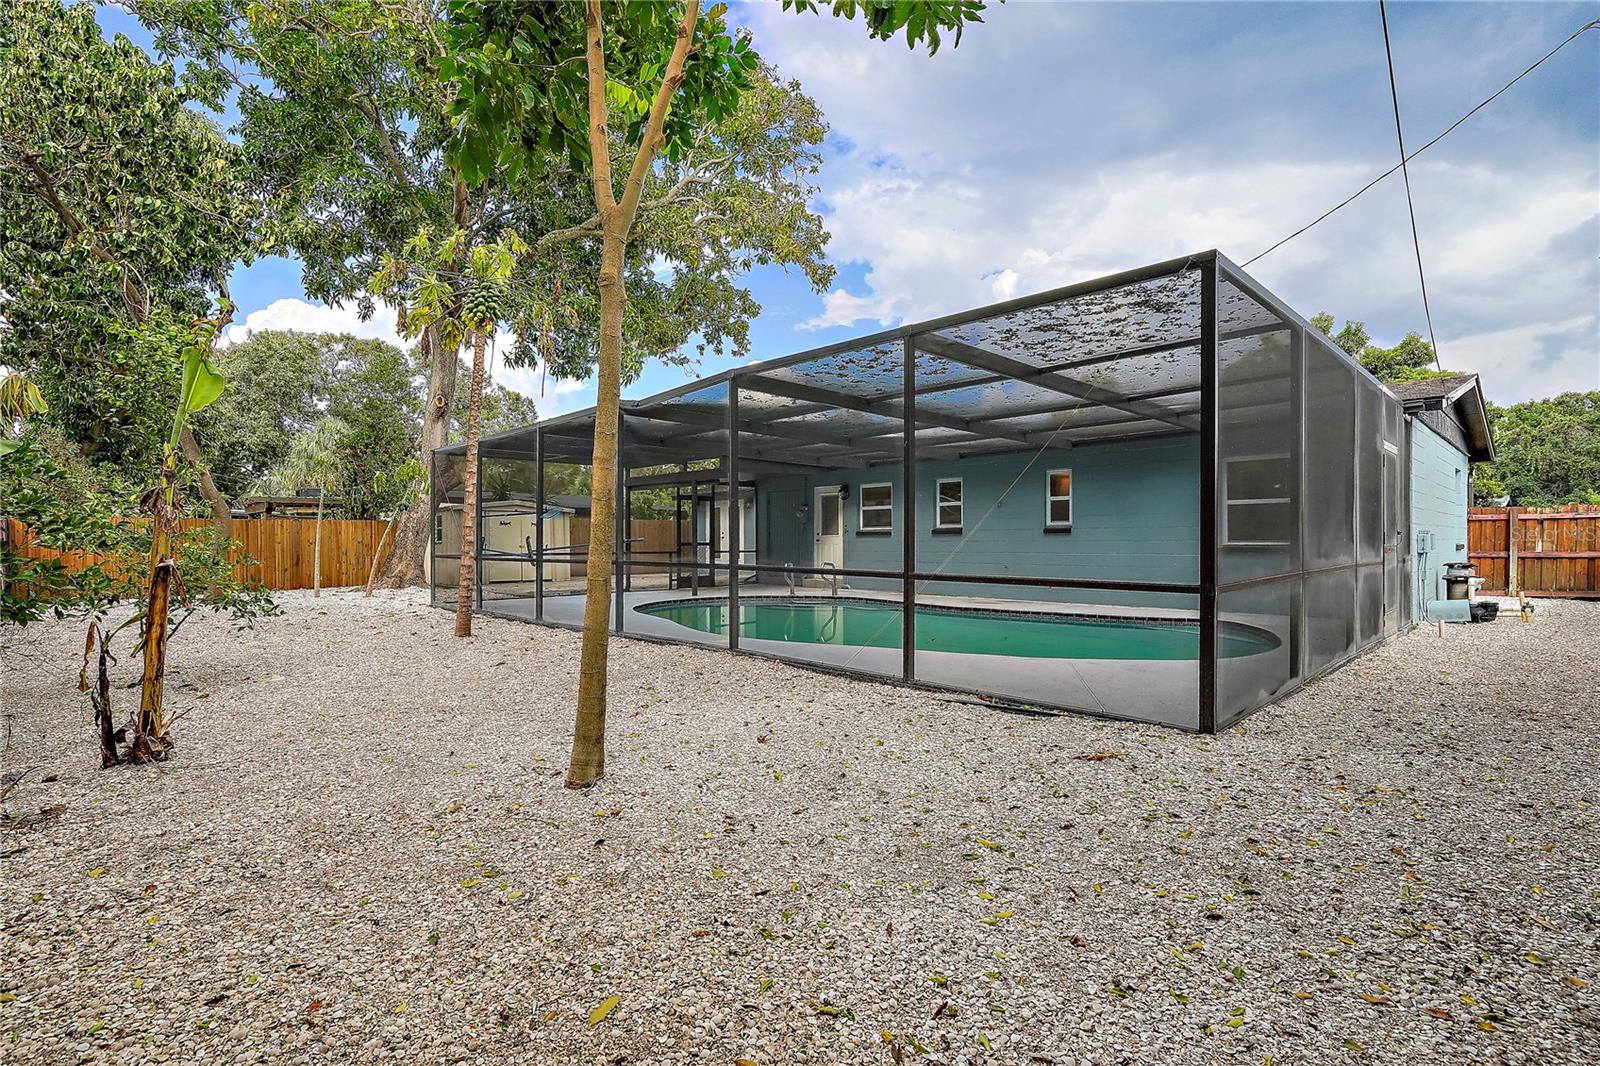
(1579, 32)
(1405, 173)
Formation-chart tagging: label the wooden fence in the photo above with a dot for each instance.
(1542, 551)
(655, 542)
(280, 551)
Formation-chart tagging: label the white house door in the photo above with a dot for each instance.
(828, 514)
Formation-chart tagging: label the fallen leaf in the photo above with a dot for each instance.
(603, 1008)
(1437, 1012)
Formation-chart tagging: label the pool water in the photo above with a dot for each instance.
(873, 624)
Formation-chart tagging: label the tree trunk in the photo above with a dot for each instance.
(377, 553)
(316, 551)
(469, 492)
(148, 740)
(589, 736)
(221, 511)
(405, 567)
(616, 221)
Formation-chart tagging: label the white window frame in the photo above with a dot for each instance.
(1228, 503)
(1049, 497)
(939, 504)
(862, 508)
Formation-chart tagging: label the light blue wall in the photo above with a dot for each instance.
(1439, 476)
(1134, 517)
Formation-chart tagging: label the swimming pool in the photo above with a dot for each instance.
(973, 631)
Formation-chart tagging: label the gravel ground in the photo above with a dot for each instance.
(362, 852)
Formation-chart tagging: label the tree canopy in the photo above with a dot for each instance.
(1410, 360)
(121, 210)
(1547, 452)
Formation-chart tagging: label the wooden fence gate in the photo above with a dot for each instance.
(1541, 551)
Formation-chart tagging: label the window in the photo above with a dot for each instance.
(1258, 509)
(828, 520)
(1058, 499)
(947, 491)
(438, 527)
(877, 509)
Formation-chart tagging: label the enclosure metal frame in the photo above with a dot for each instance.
(1213, 268)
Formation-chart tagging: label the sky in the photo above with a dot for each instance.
(1060, 142)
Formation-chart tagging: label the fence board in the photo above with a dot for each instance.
(1542, 551)
(276, 553)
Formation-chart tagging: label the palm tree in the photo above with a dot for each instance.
(420, 284)
(316, 459)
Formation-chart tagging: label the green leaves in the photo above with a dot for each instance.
(202, 381)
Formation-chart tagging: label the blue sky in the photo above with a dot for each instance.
(1064, 141)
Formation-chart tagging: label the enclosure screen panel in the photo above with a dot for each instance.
(1330, 459)
(1037, 646)
(1259, 619)
(1258, 441)
(446, 494)
(511, 514)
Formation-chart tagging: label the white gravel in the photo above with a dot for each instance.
(362, 852)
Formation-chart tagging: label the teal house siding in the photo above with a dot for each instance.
(1135, 517)
(1439, 473)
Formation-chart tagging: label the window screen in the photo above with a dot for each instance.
(949, 503)
(1258, 504)
(1058, 498)
(877, 508)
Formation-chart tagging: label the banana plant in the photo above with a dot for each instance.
(202, 383)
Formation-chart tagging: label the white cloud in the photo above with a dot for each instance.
(970, 177)
(309, 317)
(1504, 356)
(552, 396)
(841, 308)
(558, 395)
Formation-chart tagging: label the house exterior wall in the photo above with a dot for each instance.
(1135, 516)
(1439, 478)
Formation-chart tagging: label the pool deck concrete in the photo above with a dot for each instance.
(1159, 691)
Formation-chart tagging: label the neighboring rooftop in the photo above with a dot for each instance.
(1453, 407)
(1440, 388)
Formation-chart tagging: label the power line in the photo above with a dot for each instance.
(1579, 32)
(1405, 173)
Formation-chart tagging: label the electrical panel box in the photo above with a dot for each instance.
(1424, 541)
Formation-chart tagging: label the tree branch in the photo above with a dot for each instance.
(605, 197)
(653, 137)
(138, 301)
(589, 227)
(369, 111)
